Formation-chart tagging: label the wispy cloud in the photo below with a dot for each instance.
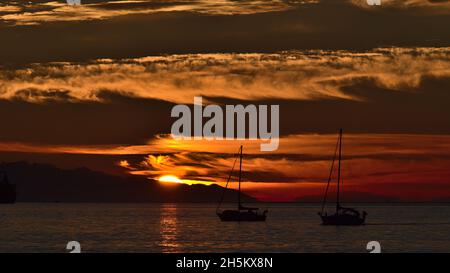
(39, 12)
(382, 163)
(32, 13)
(300, 157)
(297, 75)
(440, 6)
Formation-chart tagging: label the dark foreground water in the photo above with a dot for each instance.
(195, 228)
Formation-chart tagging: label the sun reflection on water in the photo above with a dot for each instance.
(168, 228)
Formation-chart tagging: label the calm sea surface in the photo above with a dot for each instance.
(26, 227)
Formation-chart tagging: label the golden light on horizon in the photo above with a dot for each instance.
(170, 179)
(174, 179)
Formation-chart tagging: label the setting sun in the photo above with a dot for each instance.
(174, 179)
(170, 178)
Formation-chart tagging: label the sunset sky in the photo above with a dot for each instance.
(94, 85)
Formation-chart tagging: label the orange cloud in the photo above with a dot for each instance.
(294, 75)
(52, 11)
(397, 165)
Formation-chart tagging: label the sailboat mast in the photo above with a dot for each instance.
(240, 170)
(339, 171)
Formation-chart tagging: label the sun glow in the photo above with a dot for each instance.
(170, 179)
(174, 179)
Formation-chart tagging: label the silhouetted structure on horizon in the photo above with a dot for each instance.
(342, 216)
(242, 213)
(36, 182)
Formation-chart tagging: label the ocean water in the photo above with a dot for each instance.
(27, 227)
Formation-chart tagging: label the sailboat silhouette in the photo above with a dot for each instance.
(342, 216)
(242, 213)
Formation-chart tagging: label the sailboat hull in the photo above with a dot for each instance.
(241, 216)
(342, 220)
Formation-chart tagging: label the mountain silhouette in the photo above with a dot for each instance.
(350, 197)
(46, 183)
